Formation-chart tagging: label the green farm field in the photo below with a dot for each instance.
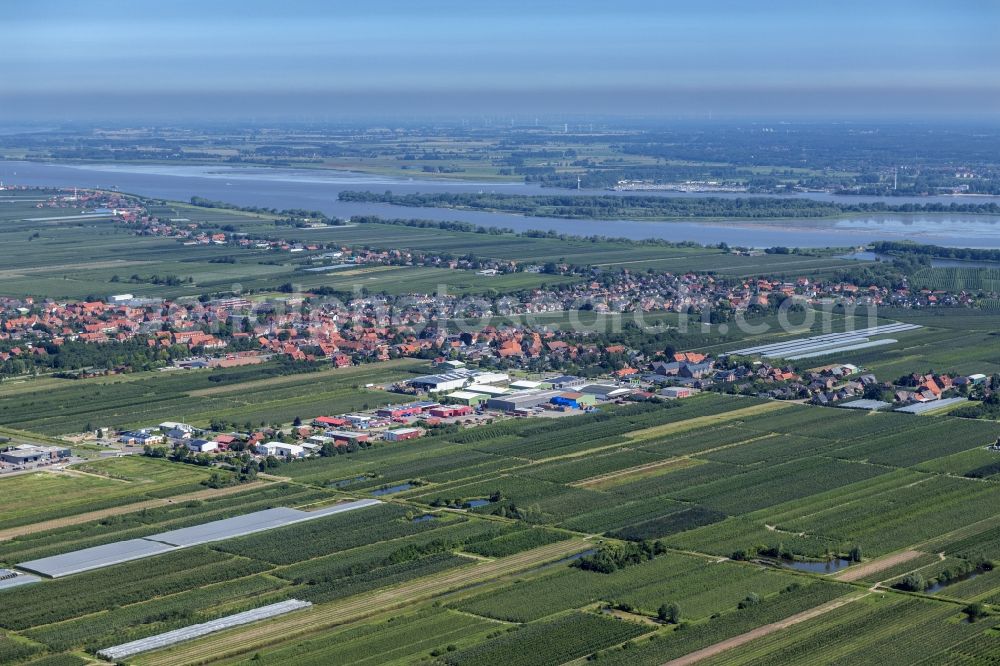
(73, 258)
(55, 252)
(728, 486)
(95, 485)
(235, 395)
(635, 256)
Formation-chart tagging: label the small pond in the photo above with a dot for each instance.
(389, 490)
(931, 589)
(346, 482)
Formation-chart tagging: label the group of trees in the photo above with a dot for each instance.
(318, 215)
(233, 469)
(155, 278)
(989, 408)
(959, 570)
(134, 354)
(937, 251)
(781, 552)
(611, 557)
(465, 227)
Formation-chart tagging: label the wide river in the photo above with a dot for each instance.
(302, 188)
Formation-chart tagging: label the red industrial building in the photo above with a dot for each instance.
(449, 411)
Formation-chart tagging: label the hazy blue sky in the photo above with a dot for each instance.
(209, 58)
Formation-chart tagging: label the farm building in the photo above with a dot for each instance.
(467, 398)
(29, 453)
(675, 392)
(523, 400)
(402, 434)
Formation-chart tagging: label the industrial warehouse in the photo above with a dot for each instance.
(24, 454)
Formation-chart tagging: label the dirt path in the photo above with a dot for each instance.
(619, 475)
(55, 523)
(775, 528)
(736, 641)
(676, 427)
(640, 470)
(857, 573)
(323, 616)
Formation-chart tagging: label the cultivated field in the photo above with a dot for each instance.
(746, 498)
(235, 395)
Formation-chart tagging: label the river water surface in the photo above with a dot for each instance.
(314, 189)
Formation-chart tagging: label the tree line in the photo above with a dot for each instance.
(657, 207)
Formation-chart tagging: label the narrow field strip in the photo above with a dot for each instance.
(622, 475)
(760, 632)
(881, 564)
(699, 421)
(619, 477)
(329, 615)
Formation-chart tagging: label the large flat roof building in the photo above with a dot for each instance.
(486, 389)
(522, 400)
(29, 453)
(467, 398)
(447, 381)
(456, 379)
(604, 391)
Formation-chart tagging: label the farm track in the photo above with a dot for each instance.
(759, 632)
(699, 421)
(55, 523)
(639, 470)
(857, 573)
(111, 263)
(324, 616)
